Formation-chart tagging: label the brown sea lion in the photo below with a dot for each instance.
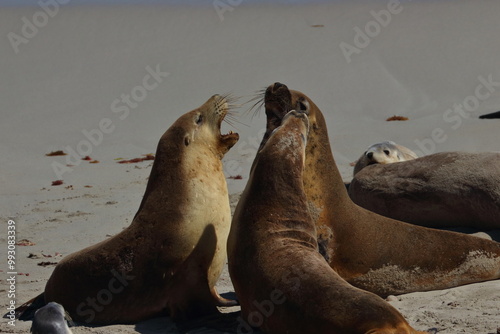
(446, 189)
(372, 252)
(168, 260)
(386, 152)
(283, 283)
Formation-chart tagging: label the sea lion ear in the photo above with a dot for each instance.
(187, 140)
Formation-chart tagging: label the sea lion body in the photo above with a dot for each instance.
(282, 282)
(448, 189)
(373, 252)
(386, 152)
(168, 260)
(50, 319)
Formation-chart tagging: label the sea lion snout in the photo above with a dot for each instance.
(276, 86)
(277, 100)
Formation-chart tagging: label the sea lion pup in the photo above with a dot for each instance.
(386, 152)
(283, 283)
(372, 252)
(448, 189)
(50, 319)
(168, 260)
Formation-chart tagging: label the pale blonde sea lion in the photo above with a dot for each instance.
(168, 260)
(386, 152)
(448, 189)
(372, 252)
(283, 283)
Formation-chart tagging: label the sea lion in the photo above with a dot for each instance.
(168, 260)
(50, 319)
(282, 282)
(448, 189)
(372, 252)
(386, 152)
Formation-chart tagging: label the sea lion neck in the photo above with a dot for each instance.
(273, 168)
(320, 165)
(168, 158)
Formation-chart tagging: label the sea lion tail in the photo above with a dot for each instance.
(27, 311)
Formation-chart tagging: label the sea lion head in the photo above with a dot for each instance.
(202, 126)
(50, 319)
(279, 100)
(383, 153)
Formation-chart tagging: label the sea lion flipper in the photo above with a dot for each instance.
(27, 310)
(221, 301)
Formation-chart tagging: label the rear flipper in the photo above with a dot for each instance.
(221, 301)
(27, 311)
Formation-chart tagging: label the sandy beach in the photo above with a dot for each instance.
(105, 81)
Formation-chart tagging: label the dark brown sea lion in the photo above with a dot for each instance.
(372, 252)
(168, 260)
(283, 283)
(447, 189)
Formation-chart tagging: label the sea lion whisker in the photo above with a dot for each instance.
(230, 98)
(257, 100)
(256, 107)
(230, 119)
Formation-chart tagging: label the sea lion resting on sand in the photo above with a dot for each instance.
(447, 189)
(372, 252)
(169, 259)
(386, 152)
(283, 283)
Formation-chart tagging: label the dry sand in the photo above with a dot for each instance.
(65, 80)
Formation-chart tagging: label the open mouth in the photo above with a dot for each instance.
(277, 101)
(222, 108)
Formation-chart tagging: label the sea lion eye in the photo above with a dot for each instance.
(387, 152)
(199, 119)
